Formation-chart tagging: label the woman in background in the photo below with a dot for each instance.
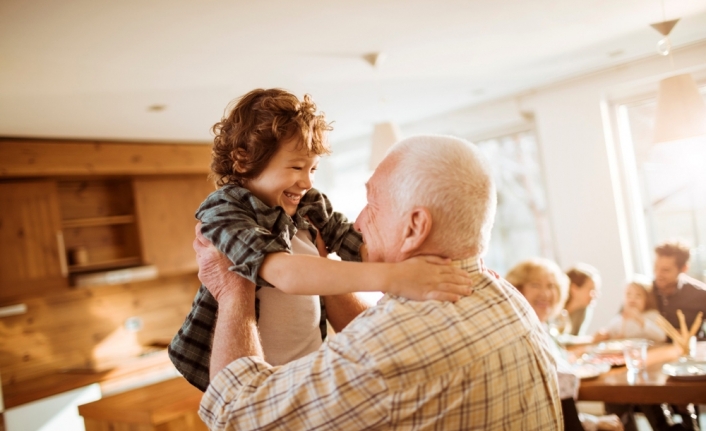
(584, 289)
(544, 286)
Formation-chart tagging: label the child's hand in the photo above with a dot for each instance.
(429, 278)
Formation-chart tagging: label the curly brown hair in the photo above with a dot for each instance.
(675, 249)
(252, 132)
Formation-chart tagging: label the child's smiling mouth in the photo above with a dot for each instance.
(294, 198)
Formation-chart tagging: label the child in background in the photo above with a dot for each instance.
(637, 319)
(274, 227)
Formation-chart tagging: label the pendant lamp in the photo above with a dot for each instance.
(681, 111)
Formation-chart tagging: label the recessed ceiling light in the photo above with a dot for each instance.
(156, 108)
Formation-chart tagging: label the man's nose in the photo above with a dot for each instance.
(359, 221)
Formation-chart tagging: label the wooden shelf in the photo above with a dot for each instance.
(107, 264)
(98, 221)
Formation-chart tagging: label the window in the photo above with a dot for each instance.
(521, 225)
(664, 188)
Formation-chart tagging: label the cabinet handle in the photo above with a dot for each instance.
(62, 254)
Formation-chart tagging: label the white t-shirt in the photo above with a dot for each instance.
(622, 328)
(289, 324)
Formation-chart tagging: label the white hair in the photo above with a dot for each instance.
(451, 178)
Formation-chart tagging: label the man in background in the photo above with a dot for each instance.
(674, 290)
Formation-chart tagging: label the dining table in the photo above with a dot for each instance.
(650, 386)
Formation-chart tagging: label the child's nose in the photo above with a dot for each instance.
(306, 181)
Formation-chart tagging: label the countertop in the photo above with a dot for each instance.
(138, 369)
(154, 404)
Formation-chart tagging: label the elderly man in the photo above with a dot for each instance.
(479, 363)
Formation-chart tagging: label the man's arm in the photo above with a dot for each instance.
(235, 335)
(342, 309)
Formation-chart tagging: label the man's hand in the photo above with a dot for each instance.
(213, 270)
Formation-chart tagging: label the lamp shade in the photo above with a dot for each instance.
(384, 136)
(681, 111)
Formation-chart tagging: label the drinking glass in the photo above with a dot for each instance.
(635, 355)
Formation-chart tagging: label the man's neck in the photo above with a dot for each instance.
(669, 289)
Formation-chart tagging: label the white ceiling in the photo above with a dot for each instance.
(91, 68)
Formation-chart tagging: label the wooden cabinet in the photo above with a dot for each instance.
(99, 224)
(32, 258)
(103, 206)
(56, 230)
(165, 207)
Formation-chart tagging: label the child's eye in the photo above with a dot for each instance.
(296, 168)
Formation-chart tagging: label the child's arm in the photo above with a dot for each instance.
(240, 229)
(419, 278)
(337, 233)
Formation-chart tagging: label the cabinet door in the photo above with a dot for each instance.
(32, 256)
(165, 209)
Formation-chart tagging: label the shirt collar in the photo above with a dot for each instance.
(472, 265)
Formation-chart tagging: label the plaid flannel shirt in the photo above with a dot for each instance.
(245, 229)
(482, 363)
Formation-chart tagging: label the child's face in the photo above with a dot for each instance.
(286, 178)
(635, 297)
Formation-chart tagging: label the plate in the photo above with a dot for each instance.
(685, 370)
(615, 347)
(590, 371)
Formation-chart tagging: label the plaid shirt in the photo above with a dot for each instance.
(480, 363)
(245, 229)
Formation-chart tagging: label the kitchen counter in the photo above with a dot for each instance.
(169, 405)
(142, 369)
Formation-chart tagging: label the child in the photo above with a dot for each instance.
(637, 319)
(266, 217)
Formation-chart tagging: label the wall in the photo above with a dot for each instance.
(576, 151)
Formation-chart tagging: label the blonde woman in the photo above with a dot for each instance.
(545, 287)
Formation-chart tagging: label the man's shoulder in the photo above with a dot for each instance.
(692, 285)
(491, 317)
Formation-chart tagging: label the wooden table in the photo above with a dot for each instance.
(648, 387)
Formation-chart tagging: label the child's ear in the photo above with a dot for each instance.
(417, 229)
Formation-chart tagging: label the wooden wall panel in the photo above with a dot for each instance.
(29, 157)
(95, 198)
(30, 246)
(84, 328)
(165, 210)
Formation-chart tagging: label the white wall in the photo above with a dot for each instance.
(575, 155)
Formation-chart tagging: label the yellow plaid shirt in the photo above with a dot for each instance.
(480, 363)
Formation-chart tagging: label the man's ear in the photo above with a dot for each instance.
(685, 268)
(417, 229)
